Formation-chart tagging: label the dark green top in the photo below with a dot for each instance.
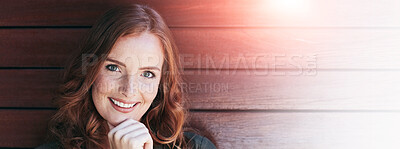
(195, 141)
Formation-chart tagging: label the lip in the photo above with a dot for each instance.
(123, 101)
(121, 109)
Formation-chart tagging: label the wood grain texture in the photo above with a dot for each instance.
(23, 128)
(205, 13)
(240, 48)
(26, 128)
(38, 47)
(246, 90)
(339, 90)
(244, 48)
(28, 88)
(301, 130)
(258, 74)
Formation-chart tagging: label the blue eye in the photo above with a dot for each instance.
(112, 67)
(148, 74)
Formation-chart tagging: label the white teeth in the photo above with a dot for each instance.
(123, 105)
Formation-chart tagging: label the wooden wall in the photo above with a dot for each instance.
(259, 73)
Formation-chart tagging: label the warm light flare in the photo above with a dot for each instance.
(289, 6)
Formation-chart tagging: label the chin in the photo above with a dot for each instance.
(116, 120)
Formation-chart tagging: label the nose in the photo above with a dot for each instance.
(128, 86)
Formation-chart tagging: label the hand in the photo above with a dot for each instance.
(130, 134)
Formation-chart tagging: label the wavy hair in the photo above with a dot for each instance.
(77, 124)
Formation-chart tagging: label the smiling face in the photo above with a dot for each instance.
(128, 80)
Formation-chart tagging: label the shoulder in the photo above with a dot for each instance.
(196, 141)
(51, 145)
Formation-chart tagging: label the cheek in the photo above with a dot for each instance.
(104, 85)
(148, 90)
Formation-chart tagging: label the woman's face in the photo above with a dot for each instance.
(128, 80)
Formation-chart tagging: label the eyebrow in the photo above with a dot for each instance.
(143, 68)
(115, 61)
(150, 68)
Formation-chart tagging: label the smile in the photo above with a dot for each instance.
(123, 107)
(121, 104)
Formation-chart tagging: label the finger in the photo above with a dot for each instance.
(115, 134)
(112, 144)
(136, 132)
(149, 142)
(124, 124)
(148, 145)
(110, 126)
(139, 140)
(131, 131)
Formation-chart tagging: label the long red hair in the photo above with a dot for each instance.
(77, 124)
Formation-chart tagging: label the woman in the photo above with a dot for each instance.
(122, 90)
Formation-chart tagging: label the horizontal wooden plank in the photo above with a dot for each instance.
(289, 48)
(339, 90)
(28, 88)
(328, 13)
(246, 129)
(335, 90)
(38, 47)
(301, 130)
(23, 128)
(213, 48)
